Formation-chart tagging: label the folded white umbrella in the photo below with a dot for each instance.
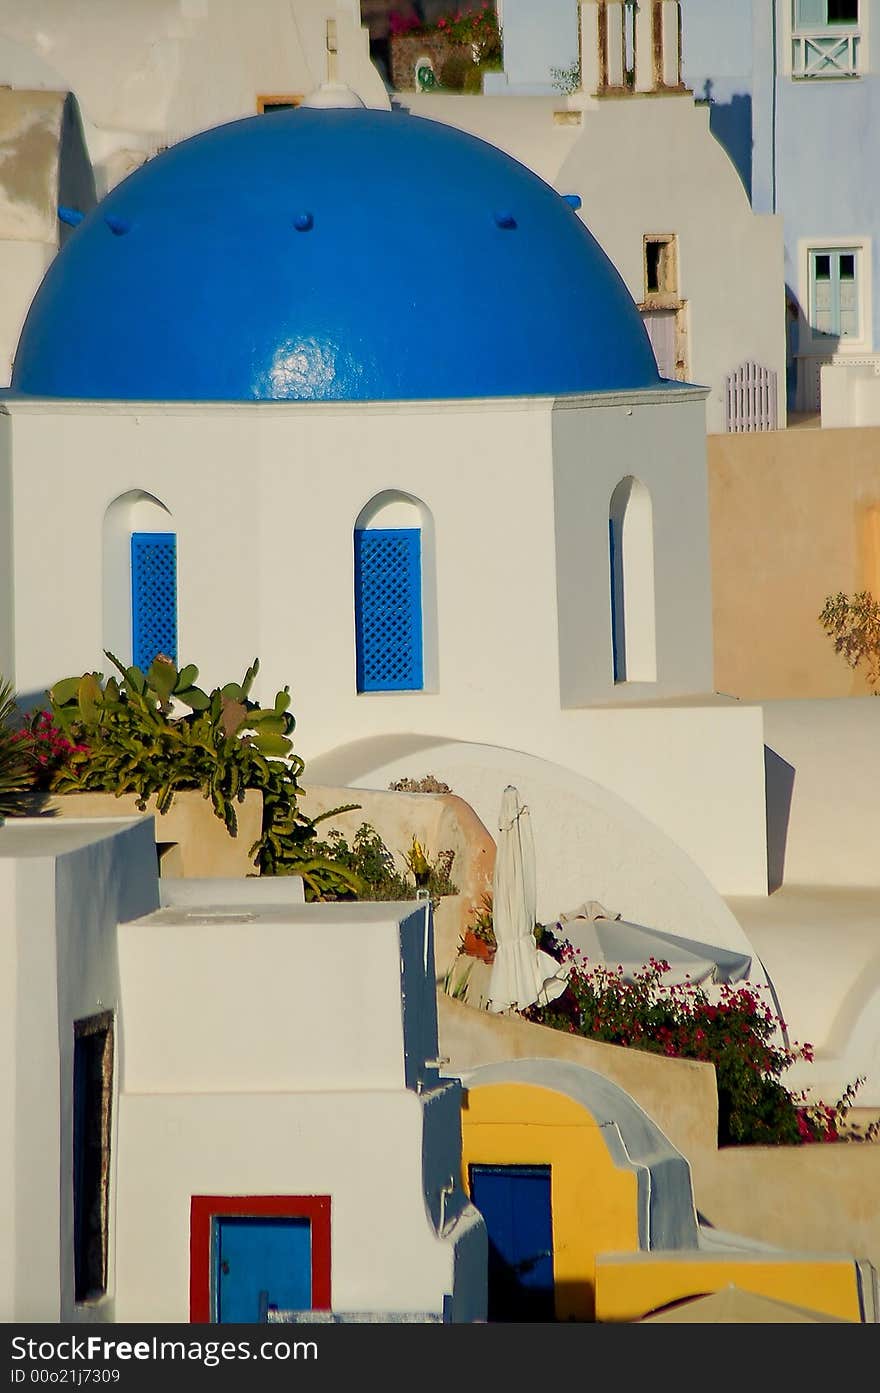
(601, 938)
(521, 974)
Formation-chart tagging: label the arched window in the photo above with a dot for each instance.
(631, 557)
(394, 595)
(140, 579)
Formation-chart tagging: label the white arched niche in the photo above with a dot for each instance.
(393, 510)
(133, 512)
(631, 563)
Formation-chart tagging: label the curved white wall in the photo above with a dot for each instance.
(589, 843)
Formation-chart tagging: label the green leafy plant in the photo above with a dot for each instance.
(853, 622)
(125, 738)
(736, 1033)
(17, 763)
(481, 923)
(374, 870)
(455, 982)
(417, 863)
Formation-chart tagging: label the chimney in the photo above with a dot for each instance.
(630, 46)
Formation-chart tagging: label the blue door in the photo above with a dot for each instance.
(515, 1203)
(261, 1263)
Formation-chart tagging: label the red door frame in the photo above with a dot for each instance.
(204, 1209)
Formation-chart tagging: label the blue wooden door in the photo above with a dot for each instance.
(515, 1203)
(260, 1263)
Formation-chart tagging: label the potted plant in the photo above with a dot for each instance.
(478, 940)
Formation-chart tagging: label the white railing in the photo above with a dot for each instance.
(751, 398)
(825, 54)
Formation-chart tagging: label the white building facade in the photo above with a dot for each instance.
(190, 1132)
(599, 108)
(795, 92)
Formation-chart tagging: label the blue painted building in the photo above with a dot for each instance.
(794, 94)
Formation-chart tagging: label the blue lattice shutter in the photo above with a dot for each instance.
(153, 597)
(388, 609)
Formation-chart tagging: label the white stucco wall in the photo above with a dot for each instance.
(279, 1049)
(536, 40)
(589, 843)
(850, 395)
(173, 67)
(65, 888)
(833, 749)
(362, 1149)
(790, 142)
(518, 492)
(43, 164)
(220, 959)
(650, 165)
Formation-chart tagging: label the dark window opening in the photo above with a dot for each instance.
(823, 267)
(843, 11)
(847, 267)
(92, 1094)
(282, 102)
(661, 275)
(653, 253)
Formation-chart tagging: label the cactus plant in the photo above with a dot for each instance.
(127, 739)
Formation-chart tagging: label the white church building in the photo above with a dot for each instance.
(360, 394)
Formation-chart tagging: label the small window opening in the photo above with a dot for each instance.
(843, 11)
(653, 252)
(661, 273)
(280, 102)
(92, 1095)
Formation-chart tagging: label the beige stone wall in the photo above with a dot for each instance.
(794, 516)
(441, 822)
(192, 840)
(406, 49)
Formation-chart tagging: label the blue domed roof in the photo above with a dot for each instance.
(331, 255)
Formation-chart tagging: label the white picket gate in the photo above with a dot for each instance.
(751, 398)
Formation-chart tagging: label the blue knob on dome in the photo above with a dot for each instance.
(574, 200)
(118, 226)
(505, 219)
(304, 222)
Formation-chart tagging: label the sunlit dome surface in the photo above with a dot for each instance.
(331, 255)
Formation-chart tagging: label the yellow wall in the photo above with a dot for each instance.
(794, 517)
(593, 1202)
(599, 1271)
(627, 1290)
